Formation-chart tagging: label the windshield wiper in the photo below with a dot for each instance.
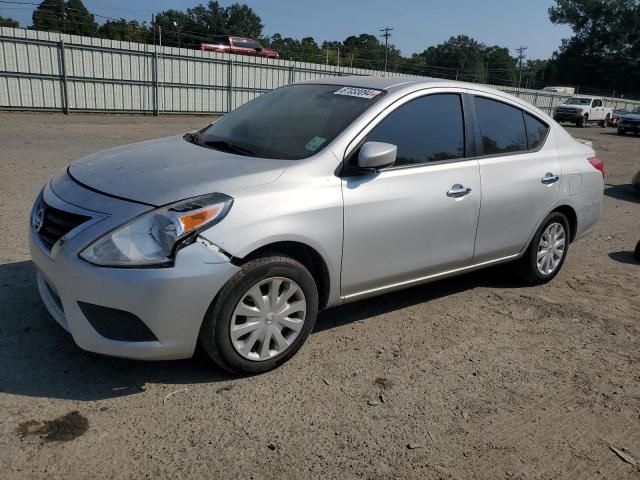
(191, 137)
(225, 146)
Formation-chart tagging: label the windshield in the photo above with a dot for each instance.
(636, 111)
(579, 101)
(290, 123)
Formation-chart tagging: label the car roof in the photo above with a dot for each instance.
(392, 83)
(403, 84)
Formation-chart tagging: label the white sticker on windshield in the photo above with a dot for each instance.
(368, 93)
(315, 143)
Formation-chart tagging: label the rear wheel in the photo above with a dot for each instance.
(637, 252)
(546, 253)
(605, 122)
(262, 316)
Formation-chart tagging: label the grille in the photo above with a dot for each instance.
(56, 223)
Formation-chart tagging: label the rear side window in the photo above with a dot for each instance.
(536, 131)
(427, 129)
(219, 40)
(501, 127)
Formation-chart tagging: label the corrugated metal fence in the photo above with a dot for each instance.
(51, 71)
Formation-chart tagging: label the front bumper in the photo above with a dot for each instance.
(171, 302)
(566, 117)
(629, 127)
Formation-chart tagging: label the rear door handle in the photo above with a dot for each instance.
(550, 178)
(458, 191)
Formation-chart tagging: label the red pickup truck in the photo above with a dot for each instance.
(237, 45)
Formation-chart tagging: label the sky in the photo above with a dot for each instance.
(417, 24)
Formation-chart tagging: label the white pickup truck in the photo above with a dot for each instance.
(582, 111)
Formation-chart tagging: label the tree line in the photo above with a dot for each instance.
(603, 52)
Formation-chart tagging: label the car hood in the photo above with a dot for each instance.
(167, 170)
(572, 105)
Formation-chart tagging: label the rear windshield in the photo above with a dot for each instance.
(290, 123)
(579, 101)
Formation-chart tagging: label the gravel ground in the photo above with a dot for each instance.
(473, 377)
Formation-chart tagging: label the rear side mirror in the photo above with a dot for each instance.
(376, 155)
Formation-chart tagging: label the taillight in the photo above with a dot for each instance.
(597, 164)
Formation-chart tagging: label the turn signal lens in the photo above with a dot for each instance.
(195, 220)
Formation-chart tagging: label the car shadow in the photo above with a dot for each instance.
(622, 192)
(624, 257)
(499, 276)
(615, 134)
(39, 359)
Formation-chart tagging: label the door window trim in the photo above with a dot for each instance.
(470, 147)
(476, 118)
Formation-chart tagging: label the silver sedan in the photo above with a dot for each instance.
(316, 194)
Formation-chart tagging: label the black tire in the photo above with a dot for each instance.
(527, 268)
(637, 251)
(582, 122)
(215, 338)
(621, 132)
(605, 122)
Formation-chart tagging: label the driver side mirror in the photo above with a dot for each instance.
(377, 155)
(258, 49)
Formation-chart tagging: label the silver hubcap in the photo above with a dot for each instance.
(268, 318)
(551, 249)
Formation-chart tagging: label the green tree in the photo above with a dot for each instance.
(604, 51)
(68, 17)
(242, 20)
(78, 20)
(8, 22)
(464, 58)
(49, 16)
(189, 29)
(125, 30)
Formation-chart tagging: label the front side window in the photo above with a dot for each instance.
(427, 129)
(245, 43)
(289, 123)
(501, 127)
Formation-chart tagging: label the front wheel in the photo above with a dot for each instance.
(582, 122)
(637, 252)
(546, 253)
(262, 316)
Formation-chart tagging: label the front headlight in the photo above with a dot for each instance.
(153, 238)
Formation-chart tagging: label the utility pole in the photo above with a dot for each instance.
(386, 34)
(175, 24)
(62, 16)
(521, 57)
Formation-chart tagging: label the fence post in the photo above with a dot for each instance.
(292, 73)
(63, 78)
(156, 89)
(230, 86)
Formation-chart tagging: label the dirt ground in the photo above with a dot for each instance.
(473, 377)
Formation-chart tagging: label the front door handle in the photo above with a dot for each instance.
(458, 191)
(550, 178)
